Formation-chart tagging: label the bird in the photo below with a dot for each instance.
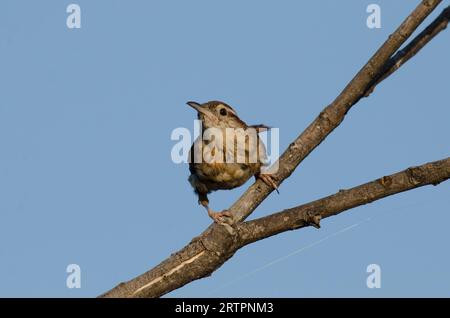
(209, 165)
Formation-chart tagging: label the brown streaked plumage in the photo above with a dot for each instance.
(213, 165)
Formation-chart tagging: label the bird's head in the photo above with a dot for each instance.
(217, 114)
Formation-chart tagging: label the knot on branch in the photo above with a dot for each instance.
(220, 240)
(295, 145)
(414, 175)
(436, 183)
(385, 181)
(312, 218)
(325, 116)
(446, 14)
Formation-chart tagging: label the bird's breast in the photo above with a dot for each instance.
(223, 167)
(225, 175)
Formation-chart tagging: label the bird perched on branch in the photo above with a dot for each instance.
(226, 154)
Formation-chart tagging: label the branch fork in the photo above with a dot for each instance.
(207, 252)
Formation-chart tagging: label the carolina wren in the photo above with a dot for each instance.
(210, 165)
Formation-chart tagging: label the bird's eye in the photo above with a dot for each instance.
(223, 111)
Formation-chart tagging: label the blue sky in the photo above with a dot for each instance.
(86, 117)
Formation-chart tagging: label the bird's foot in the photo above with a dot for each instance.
(220, 217)
(269, 180)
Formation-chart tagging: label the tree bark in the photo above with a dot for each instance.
(333, 114)
(405, 54)
(217, 244)
(209, 251)
(311, 213)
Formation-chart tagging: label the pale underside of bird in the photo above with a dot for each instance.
(225, 155)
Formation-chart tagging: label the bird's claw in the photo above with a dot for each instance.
(269, 180)
(219, 217)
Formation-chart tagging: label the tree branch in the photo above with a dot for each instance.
(216, 245)
(405, 54)
(298, 217)
(333, 114)
(311, 213)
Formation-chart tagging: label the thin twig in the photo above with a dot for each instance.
(404, 55)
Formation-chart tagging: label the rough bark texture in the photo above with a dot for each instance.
(334, 113)
(405, 54)
(210, 250)
(216, 244)
(311, 213)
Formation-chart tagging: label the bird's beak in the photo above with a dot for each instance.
(202, 110)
